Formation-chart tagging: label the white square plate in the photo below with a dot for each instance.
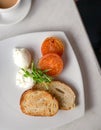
(11, 117)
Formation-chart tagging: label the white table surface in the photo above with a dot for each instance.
(62, 15)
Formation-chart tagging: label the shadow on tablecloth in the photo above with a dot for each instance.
(84, 71)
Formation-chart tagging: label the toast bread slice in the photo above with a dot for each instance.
(62, 92)
(38, 103)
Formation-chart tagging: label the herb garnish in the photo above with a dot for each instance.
(37, 74)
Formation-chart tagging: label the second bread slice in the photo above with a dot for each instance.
(62, 92)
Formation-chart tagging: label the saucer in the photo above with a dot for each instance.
(13, 17)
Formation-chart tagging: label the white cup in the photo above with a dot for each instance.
(12, 8)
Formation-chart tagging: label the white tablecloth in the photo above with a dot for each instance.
(62, 15)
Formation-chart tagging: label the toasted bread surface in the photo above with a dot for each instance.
(38, 103)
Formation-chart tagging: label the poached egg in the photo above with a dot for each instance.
(22, 57)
